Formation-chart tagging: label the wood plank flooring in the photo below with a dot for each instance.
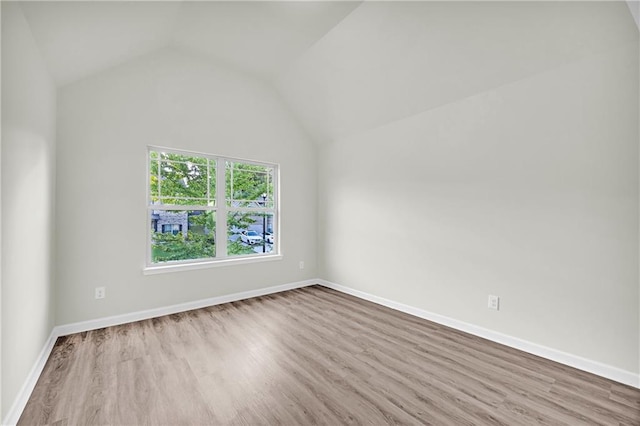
(311, 356)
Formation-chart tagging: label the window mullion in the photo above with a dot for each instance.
(159, 177)
(221, 211)
(208, 181)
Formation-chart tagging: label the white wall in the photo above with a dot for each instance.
(170, 99)
(28, 161)
(527, 190)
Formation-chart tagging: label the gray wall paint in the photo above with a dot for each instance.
(528, 191)
(28, 176)
(169, 99)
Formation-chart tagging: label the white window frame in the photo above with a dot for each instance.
(220, 209)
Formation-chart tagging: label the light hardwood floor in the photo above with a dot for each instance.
(311, 356)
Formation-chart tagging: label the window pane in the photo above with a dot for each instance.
(182, 180)
(182, 235)
(154, 177)
(249, 185)
(249, 233)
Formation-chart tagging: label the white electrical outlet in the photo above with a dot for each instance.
(302, 264)
(494, 302)
(101, 292)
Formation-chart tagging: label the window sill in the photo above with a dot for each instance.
(162, 269)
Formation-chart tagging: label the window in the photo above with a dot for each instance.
(172, 228)
(195, 220)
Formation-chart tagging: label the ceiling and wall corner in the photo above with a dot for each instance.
(387, 60)
(260, 38)
(634, 7)
(326, 58)
(78, 39)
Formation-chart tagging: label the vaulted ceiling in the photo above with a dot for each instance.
(343, 67)
(390, 60)
(81, 38)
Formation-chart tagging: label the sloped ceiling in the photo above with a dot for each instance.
(79, 38)
(343, 67)
(390, 60)
(260, 37)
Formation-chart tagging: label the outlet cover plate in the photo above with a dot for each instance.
(494, 302)
(101, 292)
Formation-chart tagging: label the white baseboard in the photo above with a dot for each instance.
(63, 330)
(20, 402)
(22, 398)
(590, 366)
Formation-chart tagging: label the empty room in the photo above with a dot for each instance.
(320, 212)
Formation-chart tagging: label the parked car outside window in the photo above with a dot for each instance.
(251, 237)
